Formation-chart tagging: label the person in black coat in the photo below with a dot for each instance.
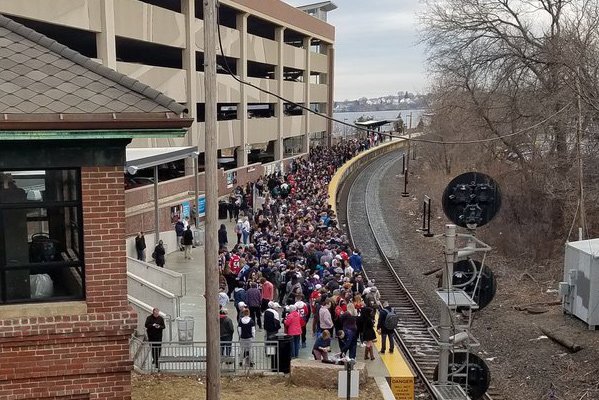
(366, 324)
(272, 321)
(159, 254)
(222, 236)
(188, 242)
(140, 246)
(154, 327)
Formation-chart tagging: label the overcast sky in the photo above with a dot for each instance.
(376, 47)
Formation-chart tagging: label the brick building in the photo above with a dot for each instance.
(64, 124)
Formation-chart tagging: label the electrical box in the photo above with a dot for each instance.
(581, 273)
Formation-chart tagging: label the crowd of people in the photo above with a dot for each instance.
(291, 268)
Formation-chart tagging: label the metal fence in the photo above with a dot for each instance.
(190, 358)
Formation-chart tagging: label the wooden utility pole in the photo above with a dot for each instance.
(211, 189)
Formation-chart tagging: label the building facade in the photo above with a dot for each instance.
(267, 43)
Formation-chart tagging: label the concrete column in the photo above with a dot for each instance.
(279, 149)
(306, 137)
(331, 91)
(105, 40)
(242, 109)
(191, 85)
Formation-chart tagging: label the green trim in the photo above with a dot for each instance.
(97, 134)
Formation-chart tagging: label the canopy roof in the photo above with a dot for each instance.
(375, 124)
(146, 157)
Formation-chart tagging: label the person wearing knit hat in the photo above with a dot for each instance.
(272, 321)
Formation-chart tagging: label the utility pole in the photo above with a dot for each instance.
(211, 189)
(583, 223)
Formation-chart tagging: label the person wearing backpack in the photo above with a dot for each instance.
(386, 325)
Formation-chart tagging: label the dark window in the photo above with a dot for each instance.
(140, 52)
(261, 110)
(227, 16)
(292, 74)
(224, 65)
(226, 111)
(261, 27)
(201, 112)
(41, 240)
(292, 109)
(173, 5)
(260, 70)
(293, 38)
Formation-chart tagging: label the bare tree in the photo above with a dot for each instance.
(518, 70)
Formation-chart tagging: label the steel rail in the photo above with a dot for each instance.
(411, 301)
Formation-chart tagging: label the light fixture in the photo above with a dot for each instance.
(132, 169)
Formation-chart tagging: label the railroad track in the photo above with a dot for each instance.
(413, 330)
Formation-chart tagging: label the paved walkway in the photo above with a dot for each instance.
(194, 303)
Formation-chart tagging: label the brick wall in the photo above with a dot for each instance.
(75, 357)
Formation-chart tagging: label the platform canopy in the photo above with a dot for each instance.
(374, 124)
(146, 157)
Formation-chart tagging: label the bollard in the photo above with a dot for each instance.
(427, 207)
(405, 185)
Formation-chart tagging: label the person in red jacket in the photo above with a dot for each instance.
(293, 327)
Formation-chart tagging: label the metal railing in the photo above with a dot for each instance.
(190, 358)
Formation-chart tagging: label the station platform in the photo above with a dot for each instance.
(390, 370)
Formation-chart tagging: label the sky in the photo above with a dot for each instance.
(376, 47)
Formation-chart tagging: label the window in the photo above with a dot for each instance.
(41, 240)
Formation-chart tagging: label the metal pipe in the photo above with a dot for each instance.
(156, 214)
(196, 189)
(445, 322)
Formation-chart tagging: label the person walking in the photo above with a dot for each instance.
(226, 333)
(179, 230)
(188, 242)
(272, 321)
(140, 246)
(154, 327)
(223, 241)
(382, 327)
(159, 254)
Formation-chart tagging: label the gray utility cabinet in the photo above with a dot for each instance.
(580, 289)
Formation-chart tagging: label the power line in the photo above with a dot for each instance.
(463, 142)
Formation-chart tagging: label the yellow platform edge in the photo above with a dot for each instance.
(400, 376)
(357, 161)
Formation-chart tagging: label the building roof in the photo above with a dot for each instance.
(43, 81)
(323, 5)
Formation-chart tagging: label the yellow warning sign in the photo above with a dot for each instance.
(402, 387)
